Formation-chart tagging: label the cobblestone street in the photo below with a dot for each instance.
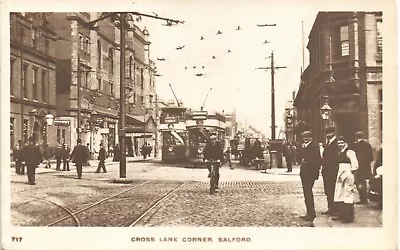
(179, 197)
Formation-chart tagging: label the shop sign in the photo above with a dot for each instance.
(61, 123)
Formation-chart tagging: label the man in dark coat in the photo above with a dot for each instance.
(330, 166)
(102, 158)
(32, 156)
(19, 168)
(58, 155)
(309, 172)
(364, 156)
(213, 151)
(79, 156)
(117, 153)
(287, 152)
(65, 155)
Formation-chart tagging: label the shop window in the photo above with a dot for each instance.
(344, 39)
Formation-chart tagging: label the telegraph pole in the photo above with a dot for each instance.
(78, 129)
(272, 68)
(122, 125)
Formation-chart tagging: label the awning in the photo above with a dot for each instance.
(133, 120)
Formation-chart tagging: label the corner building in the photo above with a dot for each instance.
(345, 69)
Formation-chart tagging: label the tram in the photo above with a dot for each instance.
(174, 136)
(200, 125)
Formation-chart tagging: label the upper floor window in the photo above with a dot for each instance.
(130, 67)
(47, 46)
(35, 37)
(379, 36)
(111, 60)
(11, 76)
(344, 40)
(81, 43)
(141, 78)
(22, 33)
(34, 84)
(24, 79)
(112, 88)
(98, 54)
(44, 86)
(87, 45)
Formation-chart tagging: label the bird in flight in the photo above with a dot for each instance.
(201, 38)
(180, 47)
(161, 59)
(266, 41)
(200, 74)
(219, 33)
(229, 51)
(202, 67)
(238, 28)
(194, 67)
(213, 57)
(266, 25)
(185, 67)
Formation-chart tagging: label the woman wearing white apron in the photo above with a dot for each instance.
(345, 186)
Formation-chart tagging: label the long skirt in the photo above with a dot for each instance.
(344, 187)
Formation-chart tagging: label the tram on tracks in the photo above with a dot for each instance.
(200, 125)
(174, 136)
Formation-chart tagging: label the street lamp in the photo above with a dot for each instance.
(326, 109)
(49, 119)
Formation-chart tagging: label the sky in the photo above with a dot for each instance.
(233, 77)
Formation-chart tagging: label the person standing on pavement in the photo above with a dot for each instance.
(330, 166)
(117, 153)
(79, 156)
(87, 163)
(287, 152)
(47, 155)
(309, 172)
(101, 158)
(345, 184)
(58, 156)
(19, 169)
(228, 157)
(65, 156)
(364, 156)
(32, 157)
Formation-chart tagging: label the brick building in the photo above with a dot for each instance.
(32, 78)
(346, 71)
(89, 56)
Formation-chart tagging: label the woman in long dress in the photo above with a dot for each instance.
(345, 186)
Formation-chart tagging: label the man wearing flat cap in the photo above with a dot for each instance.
(309, 172)
(364, 156)
(330, 166)
(213, 151)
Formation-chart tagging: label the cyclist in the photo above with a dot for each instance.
(213, 151)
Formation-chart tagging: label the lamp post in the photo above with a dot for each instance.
(326, 111)
(49, 122)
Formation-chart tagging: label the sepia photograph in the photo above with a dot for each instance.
(199, 125)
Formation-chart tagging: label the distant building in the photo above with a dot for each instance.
(345, 66)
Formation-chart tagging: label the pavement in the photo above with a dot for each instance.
(153, 169)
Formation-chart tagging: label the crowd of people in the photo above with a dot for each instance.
(31, 155)
(346, 167)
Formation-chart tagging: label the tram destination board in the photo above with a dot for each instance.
(199, 115)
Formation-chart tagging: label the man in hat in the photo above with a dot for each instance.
(330, 166)
(213, 151)
(309, 172)
(102, 158)
(32, 156)
(364, 156)
(79, 156)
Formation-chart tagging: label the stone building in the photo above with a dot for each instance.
(32, 78)
(345, 71)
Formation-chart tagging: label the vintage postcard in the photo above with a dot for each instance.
(199, 125)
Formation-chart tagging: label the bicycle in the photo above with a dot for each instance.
(214, 164)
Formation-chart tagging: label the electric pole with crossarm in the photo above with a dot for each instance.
(272, 68)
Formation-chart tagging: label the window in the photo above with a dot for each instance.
(25, 81)
(344, 39)
(82, 80)
(134, 98)
(379, 36)
(87, 45)
(22, 33)
(141, 78)
(99, 85)
(81, 44)
(380, 101)
(58, 135)
(35, 37)
(98, 54)
(47, 46)
(151, 99)
(11, 76)
(87, 80)
(12, 132)
(111, 88)
(111, 60)
(141, 100)
(130, 67)
(34, 84)
(44, 86)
